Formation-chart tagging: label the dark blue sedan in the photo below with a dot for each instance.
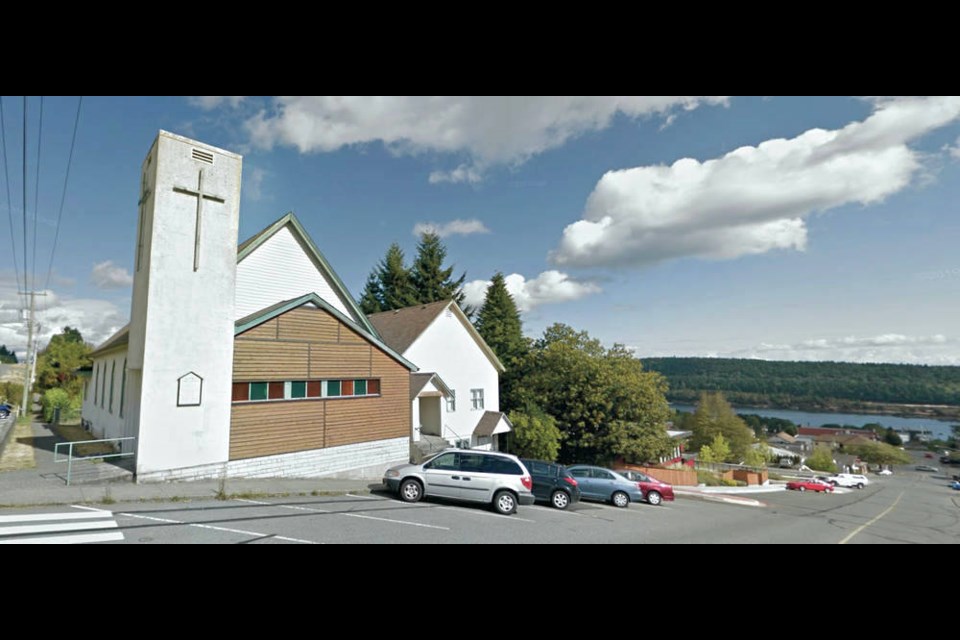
(605, 485)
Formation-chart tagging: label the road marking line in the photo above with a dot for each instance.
(341, 513)
(864, 526)
(213, 528)
(77, 539)
(53, 528)
(40, 517)
(353, 495)
(484, 513)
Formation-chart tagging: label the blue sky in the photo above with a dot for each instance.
(778, 227)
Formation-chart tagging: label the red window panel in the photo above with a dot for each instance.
(276, 391)
(373, 387)
(241, 391)
(313, 389)
(346, 388)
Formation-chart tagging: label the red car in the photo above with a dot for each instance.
(654, 491)
(812, 485)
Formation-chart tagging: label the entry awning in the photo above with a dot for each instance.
(492, 423)
(425, 385)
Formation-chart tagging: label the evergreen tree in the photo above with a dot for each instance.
(430, 280)
(7, 356)
(372, 299)
(498, 323)
(396, 288)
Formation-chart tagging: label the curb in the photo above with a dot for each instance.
(707, 497)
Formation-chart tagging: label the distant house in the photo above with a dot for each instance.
(456, 394)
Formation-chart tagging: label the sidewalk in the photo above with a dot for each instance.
(45, 484)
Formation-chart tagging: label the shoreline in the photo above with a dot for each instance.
(941, 413)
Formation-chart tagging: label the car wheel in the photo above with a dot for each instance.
(560, 499)
(504, 503)
(654, 498)
(801, 489)
(834, 483)
(859, 485)
(411, 490)
(620, 499)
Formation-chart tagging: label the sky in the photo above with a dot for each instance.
(782, 228)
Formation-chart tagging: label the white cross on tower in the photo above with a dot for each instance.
(201, 196)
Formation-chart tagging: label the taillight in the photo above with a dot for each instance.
(527, 482)
(570, 481)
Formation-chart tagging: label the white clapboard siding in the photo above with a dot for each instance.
(280, 269)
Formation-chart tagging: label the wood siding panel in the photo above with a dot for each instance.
(265, 331)
(255, 360)
(272, 428)
(348, 336)
(340, 360)
(364, 419)
(308, 323)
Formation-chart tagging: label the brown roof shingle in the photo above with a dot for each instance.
(401, 327)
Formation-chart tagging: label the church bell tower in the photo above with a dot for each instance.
(180, 364)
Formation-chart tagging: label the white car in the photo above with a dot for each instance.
(885, 472)
(849, 480)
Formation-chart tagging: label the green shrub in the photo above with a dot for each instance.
(708, 478)
(821, 460)
(55, 399)
(726, 482)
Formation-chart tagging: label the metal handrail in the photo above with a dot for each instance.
(70, 457)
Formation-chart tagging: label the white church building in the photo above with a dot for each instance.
(247, 361)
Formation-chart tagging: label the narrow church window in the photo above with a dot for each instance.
(103, 386)
(96, 383)
(113, 377)
(123, 385)
(258, 390)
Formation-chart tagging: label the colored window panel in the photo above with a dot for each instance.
(258, 390)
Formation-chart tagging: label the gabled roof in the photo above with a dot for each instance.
(420, 380)
(489, 421)
(250, 245)
(400, 328)
(120, 339)
(786, 437)
(269, 313)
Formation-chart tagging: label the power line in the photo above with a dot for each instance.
(36, 202)
(25, 272)
(63, 198)
(6, 174)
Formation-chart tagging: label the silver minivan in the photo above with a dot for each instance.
(491, 477)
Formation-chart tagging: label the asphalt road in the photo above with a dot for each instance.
(911, 507)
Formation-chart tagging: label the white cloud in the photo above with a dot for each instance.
(890, 347)
(547, 288)
(490, 129)
(96, 319)
(753, 199)
(452, 228)
(463, 173)
(106, 275)
(955, 150)
(212, 102)
(253, 183)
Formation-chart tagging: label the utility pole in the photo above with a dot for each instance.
(27, 373)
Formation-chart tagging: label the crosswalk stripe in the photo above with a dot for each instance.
(82, 538)
(53, 528)
(41, 517)
(60, 528)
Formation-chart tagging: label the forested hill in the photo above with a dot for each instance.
(766, 383)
